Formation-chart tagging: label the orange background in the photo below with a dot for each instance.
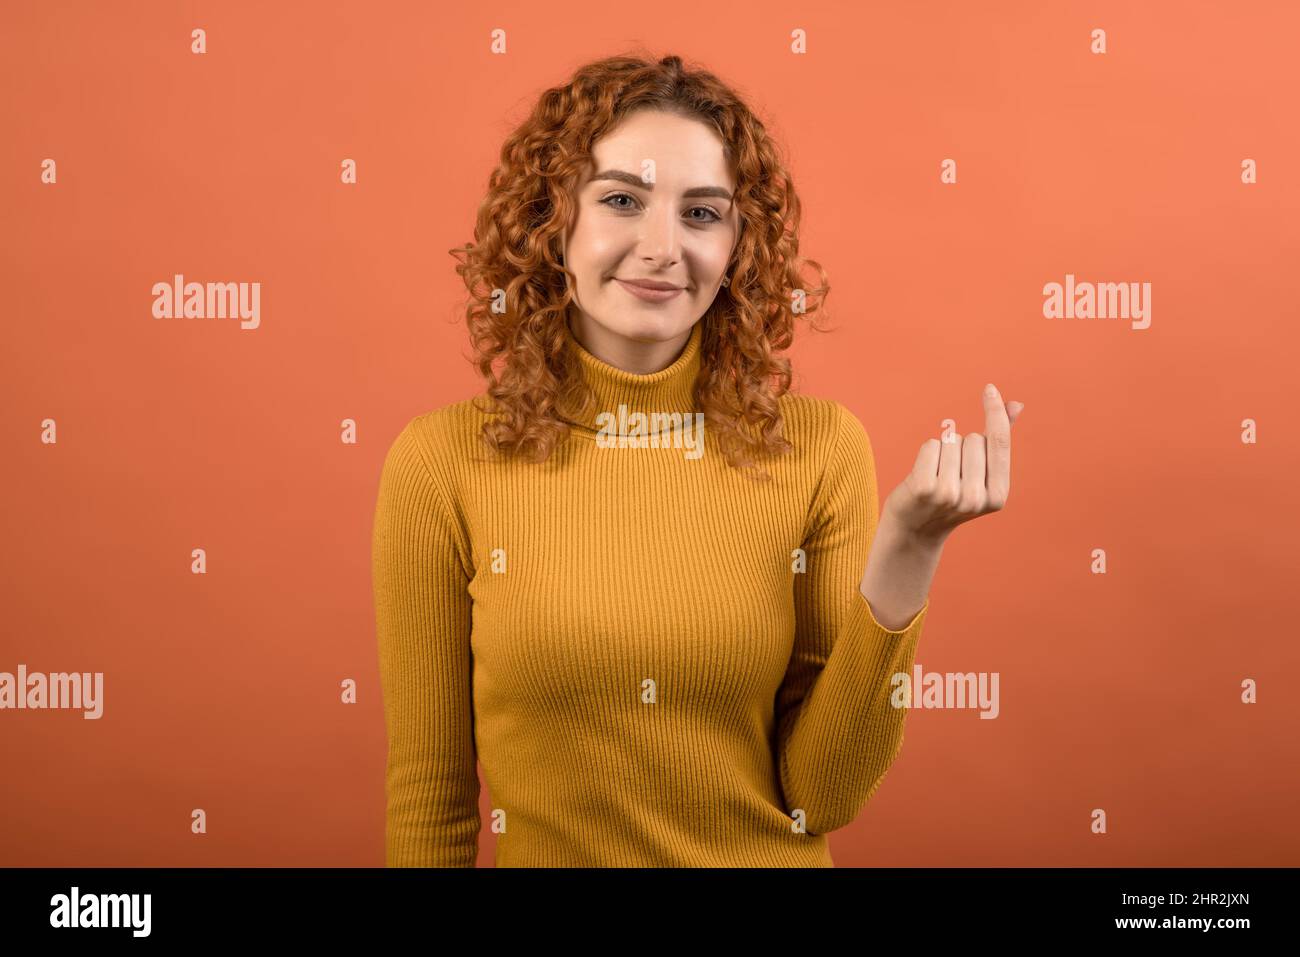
(222, 691)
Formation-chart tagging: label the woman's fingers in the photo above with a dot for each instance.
(974, 494)
(997, 441)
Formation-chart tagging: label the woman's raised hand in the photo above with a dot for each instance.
(957, 478)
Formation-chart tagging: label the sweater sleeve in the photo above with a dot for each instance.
(423, 618)
(837, 731)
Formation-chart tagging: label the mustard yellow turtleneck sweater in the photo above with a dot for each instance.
(657, 660)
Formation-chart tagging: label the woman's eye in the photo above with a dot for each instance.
(612, 202)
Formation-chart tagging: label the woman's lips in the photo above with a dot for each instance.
(649, 295)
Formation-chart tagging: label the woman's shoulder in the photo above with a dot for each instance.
(819, 421)
(452, 433)
(446, 423)
(442, 435)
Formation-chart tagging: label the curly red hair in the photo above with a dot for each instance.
(514, 263)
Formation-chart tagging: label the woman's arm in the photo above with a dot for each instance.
(899, 572)
(422, 615)
(837, 728)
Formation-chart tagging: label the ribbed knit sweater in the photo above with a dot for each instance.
(657, 660)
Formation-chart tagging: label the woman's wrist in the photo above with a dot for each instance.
(899, 571)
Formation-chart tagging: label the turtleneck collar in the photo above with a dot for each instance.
(671, 389)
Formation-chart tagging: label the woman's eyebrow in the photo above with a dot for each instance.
(632, 179)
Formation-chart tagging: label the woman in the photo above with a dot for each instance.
(662, 652)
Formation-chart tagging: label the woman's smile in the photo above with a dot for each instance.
(648, 293)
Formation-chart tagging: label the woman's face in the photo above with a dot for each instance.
(656, 206)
